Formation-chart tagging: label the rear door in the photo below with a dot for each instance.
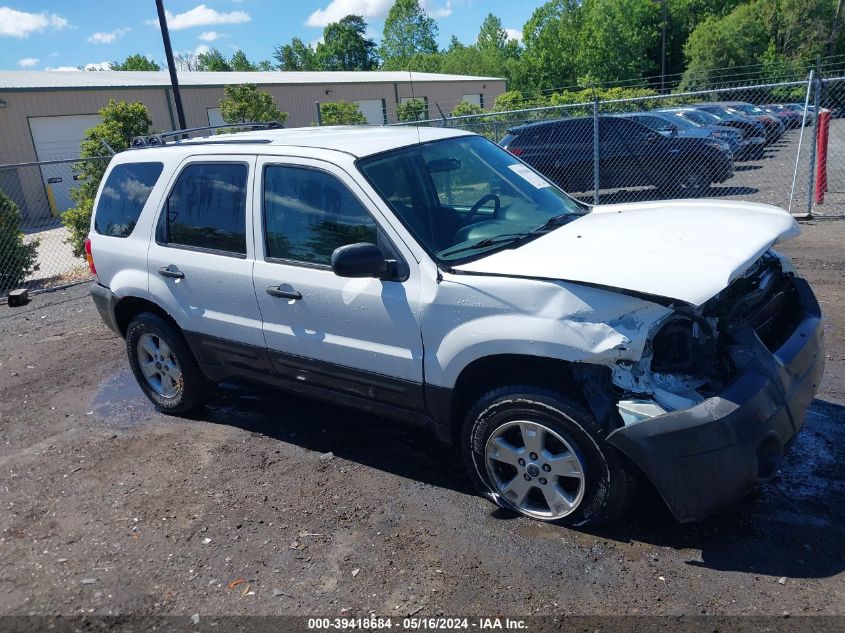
(355, 336)
(200, 261)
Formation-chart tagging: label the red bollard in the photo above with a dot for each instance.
(822, 134)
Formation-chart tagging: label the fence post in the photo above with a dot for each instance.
(319, 114)
(596, 154)
(813, 139)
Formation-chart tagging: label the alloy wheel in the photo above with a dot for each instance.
(535, 469)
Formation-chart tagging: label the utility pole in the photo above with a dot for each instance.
(168, 53)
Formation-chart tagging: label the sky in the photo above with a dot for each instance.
(63, 35)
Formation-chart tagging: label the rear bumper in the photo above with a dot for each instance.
(706, 457)
(105, 300)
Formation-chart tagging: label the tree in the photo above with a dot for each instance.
(135, 62)
(185, 62)
(296, 56)
(213, 61)
(345, 46)
(121, 122)
(341, 113)
(408, 31)
(783, 35)
(240, 63)
(19, 258)
(244, 103)
(411, 110)
(551, 40)
(465, 108)
(615, 39)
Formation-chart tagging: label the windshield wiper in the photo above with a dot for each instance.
(556, 220)
(489, 241)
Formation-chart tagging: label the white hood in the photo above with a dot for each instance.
(680, 249)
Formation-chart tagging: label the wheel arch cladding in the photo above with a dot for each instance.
(128, 308)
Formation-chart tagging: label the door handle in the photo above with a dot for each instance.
(171, 271)
(276, 291)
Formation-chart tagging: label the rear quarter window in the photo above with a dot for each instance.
(124, 196)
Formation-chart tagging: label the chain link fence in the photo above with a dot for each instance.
(34, 248)
(753, 142)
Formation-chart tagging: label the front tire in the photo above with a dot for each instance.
(164, 366)
(538, 453)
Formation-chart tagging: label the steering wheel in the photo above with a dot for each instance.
(484, 200)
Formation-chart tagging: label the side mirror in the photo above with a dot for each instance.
(359, 260)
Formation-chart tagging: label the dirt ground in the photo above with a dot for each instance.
(107, 507)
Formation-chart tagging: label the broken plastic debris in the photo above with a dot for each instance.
(236, 582)
(633, 411)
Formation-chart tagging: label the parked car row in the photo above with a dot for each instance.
(678, 150)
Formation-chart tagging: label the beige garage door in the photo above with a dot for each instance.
(57, 138)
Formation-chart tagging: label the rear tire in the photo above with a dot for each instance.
(538, 453)
(164, 366)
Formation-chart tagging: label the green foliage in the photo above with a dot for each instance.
(346, 47)
(297, 55)
(465, 108)
(408, 31)
(213, 61)
(135, 62)
(121, 122)
(245, 103)
(17, 259)
(341, 113)
(783, 37)
(240, 63)
(411, 110)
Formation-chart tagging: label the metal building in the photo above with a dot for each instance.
(44, 114)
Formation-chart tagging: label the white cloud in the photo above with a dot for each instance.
(28, 62)
(98, 66)
(436, 11)
(202, 15)
(372, 9)
(211, 36)
(201, 49)
(22, 24)
(62, 68)
(107, 37)
(514, 34)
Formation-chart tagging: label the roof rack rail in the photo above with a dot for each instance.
(157, 140)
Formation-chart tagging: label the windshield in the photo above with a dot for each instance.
(465, 196)
(719, 112)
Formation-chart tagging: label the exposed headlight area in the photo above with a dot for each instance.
(694, 353)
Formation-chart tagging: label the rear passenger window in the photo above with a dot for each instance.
(124, 196)
(207, 208)
(309, 213)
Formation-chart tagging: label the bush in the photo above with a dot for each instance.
(17, 259)
(465, 108)
(341, 113)
(411, 110)
(245, 103)
(121, 122)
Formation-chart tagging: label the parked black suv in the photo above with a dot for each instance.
(630, 155)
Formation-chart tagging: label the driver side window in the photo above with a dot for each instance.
(309, 213)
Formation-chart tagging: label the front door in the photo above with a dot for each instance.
(357, 336)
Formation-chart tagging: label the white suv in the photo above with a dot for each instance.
(428, 275)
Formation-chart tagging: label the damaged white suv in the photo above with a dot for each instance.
(430, 276)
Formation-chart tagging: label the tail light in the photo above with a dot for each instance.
(516, 151)
(89, 257)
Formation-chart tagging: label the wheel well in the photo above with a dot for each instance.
(130, 307)
(490, 372)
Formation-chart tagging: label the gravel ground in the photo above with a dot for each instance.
(111, 508)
